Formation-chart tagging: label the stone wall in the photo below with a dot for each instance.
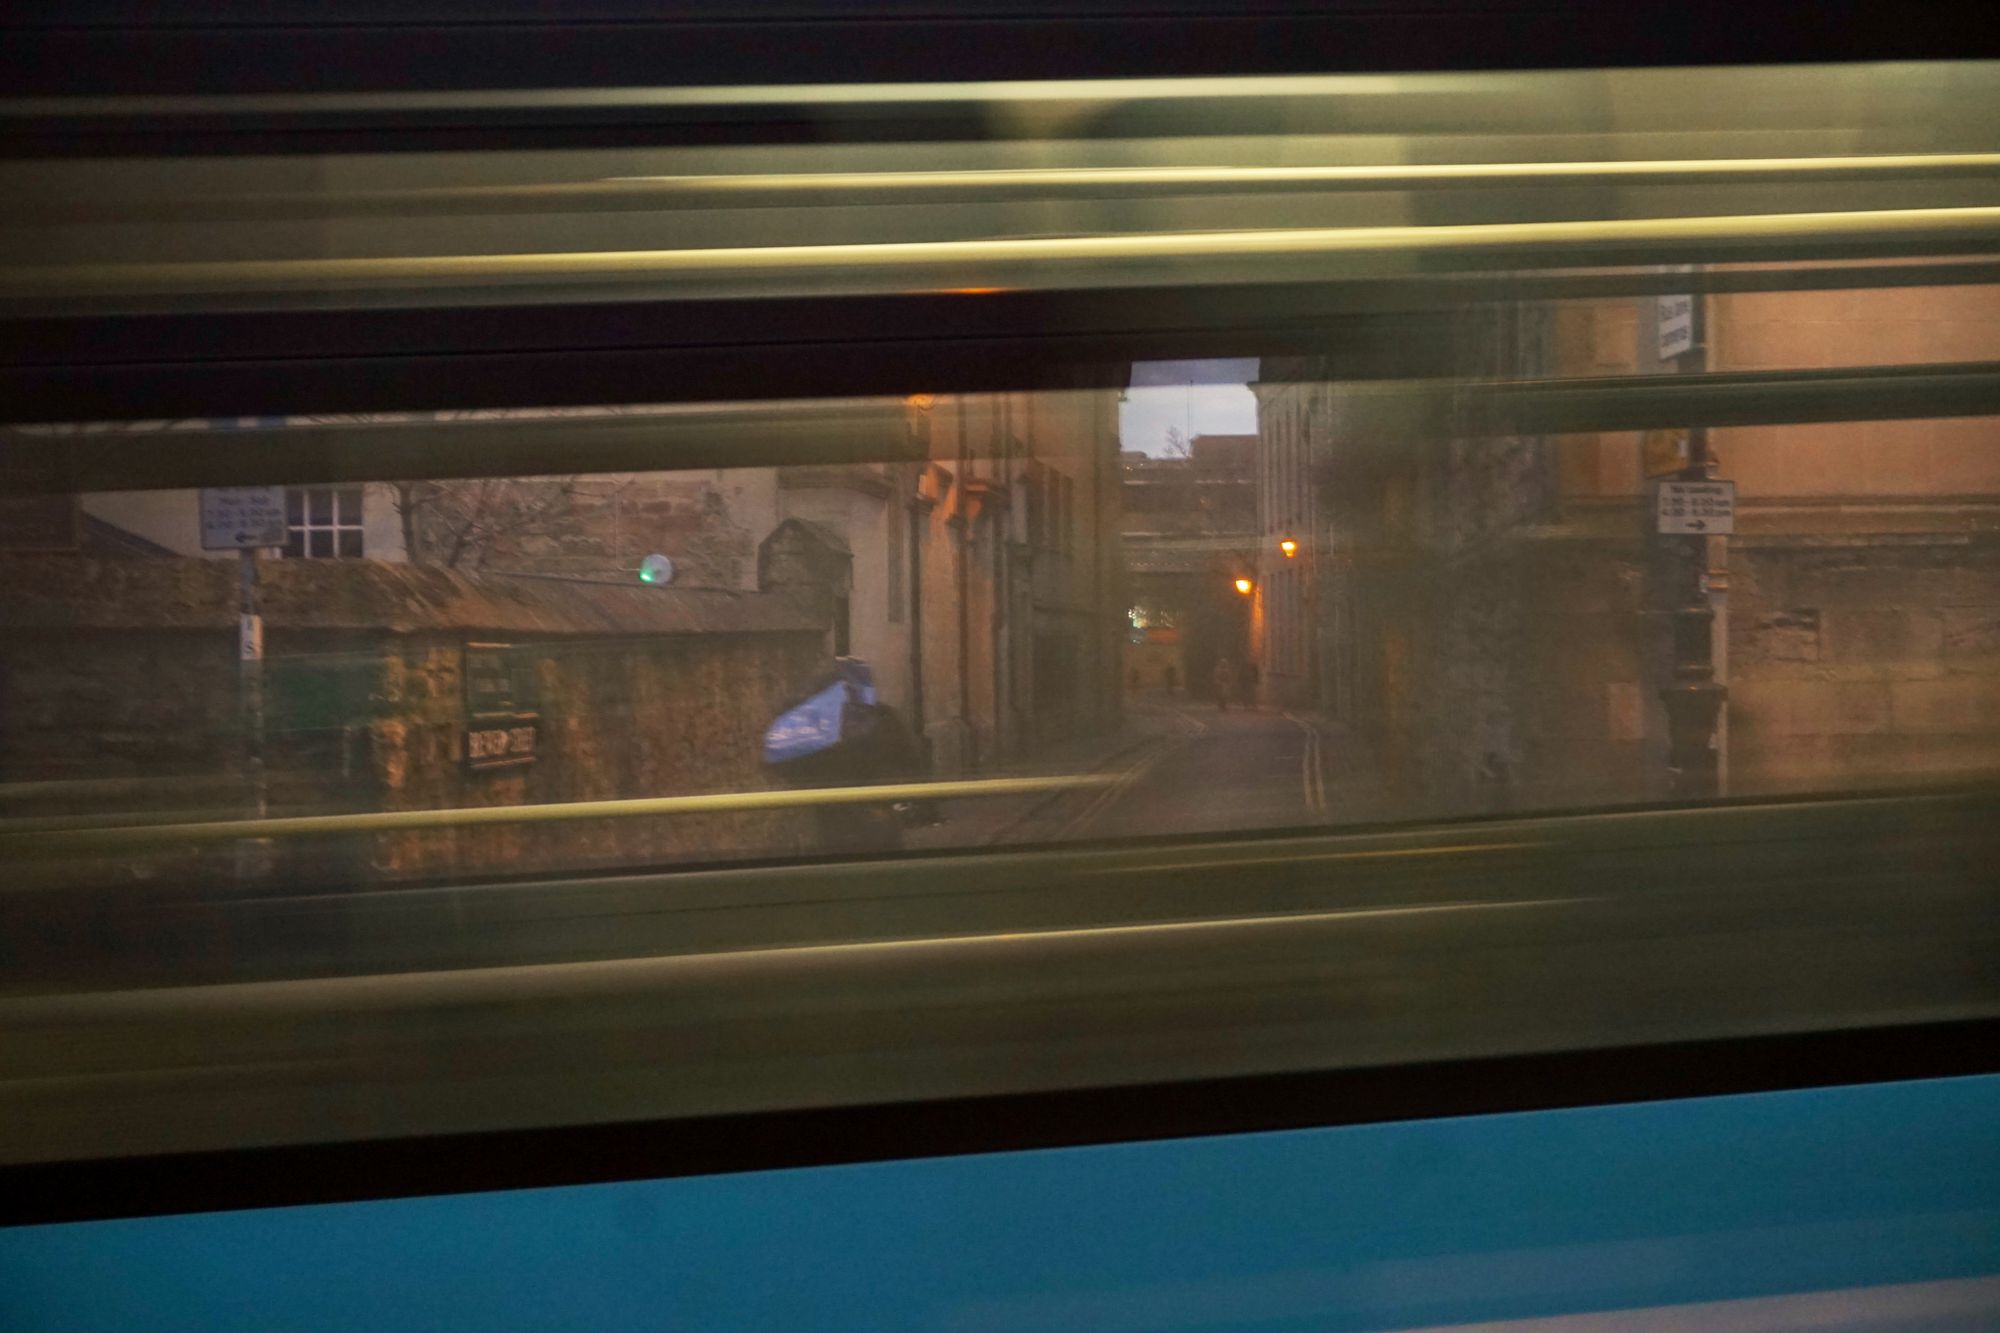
(1507, 607)
(379, 723)
(82, 705)
(1863, 663)
(620, 718)
(1514, 676)
(1524, 672)
(113, 671)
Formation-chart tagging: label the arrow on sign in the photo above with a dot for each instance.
(1697, 525)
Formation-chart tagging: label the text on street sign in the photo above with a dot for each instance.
(235, 518)
(1699, 508)
(1676, 326)
(502, 746)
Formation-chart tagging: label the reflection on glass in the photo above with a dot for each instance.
(1316, 617)
(1098, 185)
(637, 775)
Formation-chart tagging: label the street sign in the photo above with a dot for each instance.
(236, 518)
(504, 727)
(1697, 508)
(503, 746)
(1675, 330)
(1673, 320)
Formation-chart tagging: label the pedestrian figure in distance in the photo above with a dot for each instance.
(840, 734)
(1173, 682)
(1225, 684)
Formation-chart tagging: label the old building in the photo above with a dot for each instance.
(1295, 613)
(1190, 536)
(982, 586)
(982, 578)
(1490, 616)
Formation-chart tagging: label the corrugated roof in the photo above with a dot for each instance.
(46, 592)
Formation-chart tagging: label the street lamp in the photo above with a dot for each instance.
(1243, 586)
(1289, 547)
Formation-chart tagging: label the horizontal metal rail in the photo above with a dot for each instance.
(1006, 262)
(90, 838)
(872, 429)
(859, 187)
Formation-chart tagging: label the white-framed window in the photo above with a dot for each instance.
(323, 522)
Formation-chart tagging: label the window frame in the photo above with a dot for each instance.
(302, 501)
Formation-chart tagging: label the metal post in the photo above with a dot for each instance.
(1695, 698)
(252, 855)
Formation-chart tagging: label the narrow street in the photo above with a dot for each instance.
(1209, 772)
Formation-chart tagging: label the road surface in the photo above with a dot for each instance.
(691, 994)
(1206, 771)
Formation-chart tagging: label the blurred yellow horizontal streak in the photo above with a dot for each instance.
(602, 976)
(1957, 226)
(1306, 858)
(78, 841)
(758, 94)
(1373, 176)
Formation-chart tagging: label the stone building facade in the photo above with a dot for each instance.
(980, 577)
(1491, 616)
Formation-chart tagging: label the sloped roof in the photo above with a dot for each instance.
(105, 538)
(817, 531)
(57, 591)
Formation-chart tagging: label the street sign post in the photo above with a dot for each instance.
(242, 518)
(247, 520)
(1696, 508)
(1699, 513)
(253, 855)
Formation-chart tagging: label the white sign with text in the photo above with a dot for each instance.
(1675, 325)
(235, 518)
(1698, 508)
